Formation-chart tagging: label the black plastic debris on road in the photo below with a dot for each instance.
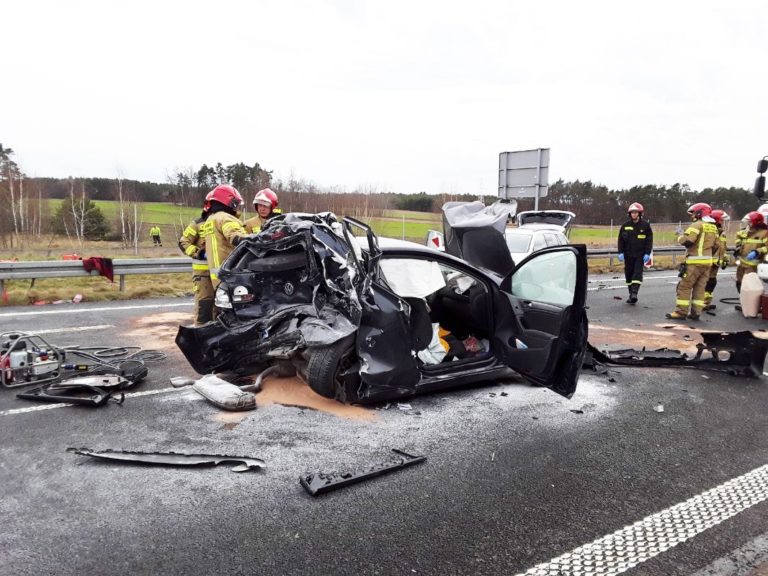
(93, 391)
(735, 353)
(244, 463)
(320, 482)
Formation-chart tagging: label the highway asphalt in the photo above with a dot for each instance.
(515, 475)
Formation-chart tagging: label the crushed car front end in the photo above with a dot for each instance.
(290, 287)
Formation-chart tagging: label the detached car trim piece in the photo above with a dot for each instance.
(397, 319)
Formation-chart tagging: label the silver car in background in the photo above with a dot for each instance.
(536, 230)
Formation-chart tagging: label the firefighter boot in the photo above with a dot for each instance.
(676, 316)
(633, 289)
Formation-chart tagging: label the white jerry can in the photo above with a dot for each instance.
(751, 291)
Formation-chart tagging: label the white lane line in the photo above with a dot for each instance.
(649, 537)
(620, 283)
(604, 288)
(86, 310)
(76, 329)
(651, 278)
(64, 405)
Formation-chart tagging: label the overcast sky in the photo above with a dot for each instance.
(403, 96)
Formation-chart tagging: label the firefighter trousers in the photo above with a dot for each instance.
(709, 288)
(203, 290)
(690, 289)
(633, 272)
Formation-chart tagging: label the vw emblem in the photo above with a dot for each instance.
(288, 288)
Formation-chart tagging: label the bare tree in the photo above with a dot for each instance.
(78, 208)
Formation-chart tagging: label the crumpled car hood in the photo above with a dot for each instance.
(475, 233)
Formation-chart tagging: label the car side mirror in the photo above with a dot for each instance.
(760, 187)
(762, 165)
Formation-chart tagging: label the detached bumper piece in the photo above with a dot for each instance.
(93, 391)
(320, 483)
(244, 463)
(735, 353)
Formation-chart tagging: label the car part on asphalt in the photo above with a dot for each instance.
(173, 458)
(320, 482)
(736, 353)
(223, 394)
(280, 369)
(93, 391)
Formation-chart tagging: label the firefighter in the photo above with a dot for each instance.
(751, 244)
(635, 246)
(720, 258)
(265, 203)
(192, 244)
(222, 230)
(701, 241)
(154, 233)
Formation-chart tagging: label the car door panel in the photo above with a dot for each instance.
(537, 315)
(388, 367)
(541, 324)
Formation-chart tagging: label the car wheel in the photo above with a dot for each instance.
(326, 366)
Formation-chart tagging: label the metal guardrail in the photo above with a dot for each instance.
(74, 268)
(127, 267)
(610, 253)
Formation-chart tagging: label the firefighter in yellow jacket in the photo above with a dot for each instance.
(720, 258)
(222, 230)
(193, 245)
(154, 233)
(265, 203)
(701, 242)
(751, 245)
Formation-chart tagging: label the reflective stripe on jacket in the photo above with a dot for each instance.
(748, 240)
(191, 244)
(701, 242)
(218, 233)
(635, 238)
(254, 225)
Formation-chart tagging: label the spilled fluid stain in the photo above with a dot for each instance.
(293, 392)
(678, 338)
(158, 330)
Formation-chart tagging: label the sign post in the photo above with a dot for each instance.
(524, 174)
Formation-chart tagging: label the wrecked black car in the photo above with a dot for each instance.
(365, 319)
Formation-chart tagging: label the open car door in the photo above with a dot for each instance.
(541, 322)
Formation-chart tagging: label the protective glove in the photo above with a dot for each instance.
(752, 255)
(679, 231)
(200, 255)
(724, 263)
(646, 257)
(621, 257)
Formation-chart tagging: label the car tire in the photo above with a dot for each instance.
(325, 366)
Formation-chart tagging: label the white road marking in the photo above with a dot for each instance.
(86, 310)
(76, 329)
(649, 537)
(621, 284)
(63, 405)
